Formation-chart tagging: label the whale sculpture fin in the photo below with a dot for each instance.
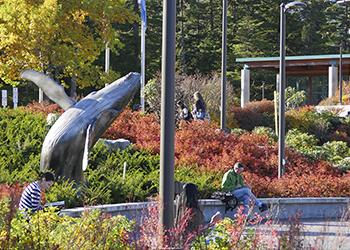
(102, 122)
(51, 88)
(86, 149)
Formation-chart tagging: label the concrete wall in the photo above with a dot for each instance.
(245, 86)
(332, 80)
(341, 110)
(280, 208)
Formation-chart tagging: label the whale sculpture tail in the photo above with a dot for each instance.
(52, 89)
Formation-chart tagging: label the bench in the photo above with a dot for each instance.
(231, 201)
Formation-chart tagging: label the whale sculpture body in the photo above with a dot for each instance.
(63, 147)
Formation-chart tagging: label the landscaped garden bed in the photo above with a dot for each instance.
(203, 153)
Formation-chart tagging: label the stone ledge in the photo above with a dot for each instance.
(281, 208)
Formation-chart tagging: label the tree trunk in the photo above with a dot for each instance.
(73, 88)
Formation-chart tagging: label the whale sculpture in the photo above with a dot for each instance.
(63, 147)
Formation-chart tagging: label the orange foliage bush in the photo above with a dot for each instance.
(255, 114)
(44, 107)
(204, 145)
(143, 130)
(13, 192)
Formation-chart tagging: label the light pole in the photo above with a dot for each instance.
(341, 73)
(345, 3)
(284, 8)
(166, 184)
(223, 65)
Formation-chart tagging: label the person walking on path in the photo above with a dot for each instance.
(32, 194)
(233, 182)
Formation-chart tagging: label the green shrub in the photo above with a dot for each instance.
(104, 176)
(344, 164)
(269, 132)
(238, 131)
(21, 137)
(64, 190)
(304, 143)
(48, 230)
(294, 98)
(336, 151)
(207, 182)
(307, 120)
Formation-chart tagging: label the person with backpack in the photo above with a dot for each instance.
(233, 182)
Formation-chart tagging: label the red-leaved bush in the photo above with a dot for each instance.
(143, 130)
(254, 114)
(204, 145)
(11, 191)
(44, 107)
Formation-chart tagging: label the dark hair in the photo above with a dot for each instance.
(48, 176)
(191, 195)
(181, 104)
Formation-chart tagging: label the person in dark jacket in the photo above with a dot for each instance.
(184, 113)
(199, 107)
(187, 207)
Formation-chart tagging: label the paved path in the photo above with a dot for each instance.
(326, 235)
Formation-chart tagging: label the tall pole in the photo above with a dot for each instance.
(223, 65)
(142, 92)
(167, 116)
(282, 85)
(341, 73)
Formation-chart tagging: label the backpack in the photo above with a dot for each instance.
(231, 201)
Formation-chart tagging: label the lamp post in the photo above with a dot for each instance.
(341, 73)
(166, 184)
(223, 65)
(345, 3)
(284, 8)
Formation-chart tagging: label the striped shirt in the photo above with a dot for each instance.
(31, 196)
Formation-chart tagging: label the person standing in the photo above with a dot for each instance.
(233, 182)
(32, 194)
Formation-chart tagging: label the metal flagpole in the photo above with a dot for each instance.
(142, 97)
(223, 65)
(142, 4)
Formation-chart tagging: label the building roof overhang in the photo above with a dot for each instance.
(299, 65)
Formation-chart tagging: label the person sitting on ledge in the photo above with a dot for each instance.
(31, 196)
(233, 182)
(187, 208)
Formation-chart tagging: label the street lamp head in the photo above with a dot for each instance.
(294, 5)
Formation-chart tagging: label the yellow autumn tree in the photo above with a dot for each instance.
(61, 37)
